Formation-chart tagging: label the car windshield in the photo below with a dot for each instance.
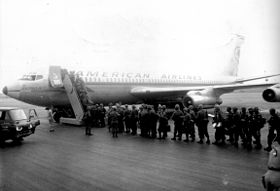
(17, 114)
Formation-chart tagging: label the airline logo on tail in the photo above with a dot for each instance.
(233, 52)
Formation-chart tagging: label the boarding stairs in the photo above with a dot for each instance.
(64, 80)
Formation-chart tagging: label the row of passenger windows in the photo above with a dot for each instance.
(149, 80)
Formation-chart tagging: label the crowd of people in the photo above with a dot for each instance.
(231, 127)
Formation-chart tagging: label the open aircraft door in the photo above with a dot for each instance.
(55, 77)
(59, 80)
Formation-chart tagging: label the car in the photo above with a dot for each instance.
(14, 124)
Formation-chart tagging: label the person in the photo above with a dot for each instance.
(250, 128)
(127, 114)
(218, 124)
(114, 116)
(102, 114)
(177, 117)
(187, 123)
(274, 125)
(88, 121)
(153, 116)
(143, 117)
(140, 119)
(108, 116)
(120, 111)
(202, 123)
(133, 120)
(51, 120)
(229, 125)
(94, 115)
(192, 122)
(259, 122)
(237, 128)
(244, 125)
(163, 122)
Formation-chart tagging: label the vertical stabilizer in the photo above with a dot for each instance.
(232, 55)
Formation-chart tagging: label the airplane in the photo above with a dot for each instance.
(133, 88)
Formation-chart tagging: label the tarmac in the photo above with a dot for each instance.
(66, 159)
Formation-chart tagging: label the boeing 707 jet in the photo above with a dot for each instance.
(132, 88)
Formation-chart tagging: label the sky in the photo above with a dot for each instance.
(175, 36)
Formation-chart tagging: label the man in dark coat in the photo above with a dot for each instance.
(177, 117)
(202, 123)
(273, 129)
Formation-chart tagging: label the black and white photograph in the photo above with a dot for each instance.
(139, 95)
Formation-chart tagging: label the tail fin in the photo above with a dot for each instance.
(231, 55)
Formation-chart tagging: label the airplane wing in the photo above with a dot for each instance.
(179, 91)
(241, 80)
(216, 90)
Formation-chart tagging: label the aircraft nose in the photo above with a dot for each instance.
(5, 90)
(12, 90)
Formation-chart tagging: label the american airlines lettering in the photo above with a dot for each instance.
(129, 75)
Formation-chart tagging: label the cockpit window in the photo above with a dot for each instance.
(28, 77)
(31, 77)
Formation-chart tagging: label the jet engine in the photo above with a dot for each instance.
(272, 94)
(207, 98)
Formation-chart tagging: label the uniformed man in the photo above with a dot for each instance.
(144, 121)
(140, 119)
(153, 118)
(110, 108)
(127, 114)
(250, 129)
(93, 115)
(244, 125)
(202, 123)
(229, 125)
(114, 117)
(218, 124)
(120, 111)
(163, 122)
(237, 129)
(259, 122)
(273, 129)
(187, 123)
(177, 117)
(102, 114)
(133, 120)
(88, 121)
(192, 124)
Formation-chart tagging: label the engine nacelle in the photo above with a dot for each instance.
(207, 98)
(272, 94)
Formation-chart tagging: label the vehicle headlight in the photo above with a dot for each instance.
(18, 128)
(30, 126)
